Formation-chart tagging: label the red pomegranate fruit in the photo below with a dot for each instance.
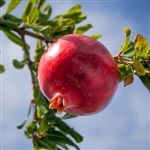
(78, 75)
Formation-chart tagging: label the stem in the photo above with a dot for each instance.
(28, 57)
(22, 31)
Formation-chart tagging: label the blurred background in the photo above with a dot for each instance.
(124, 124)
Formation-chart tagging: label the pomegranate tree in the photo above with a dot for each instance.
(78, 75)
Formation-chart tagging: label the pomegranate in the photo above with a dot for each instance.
(78, 75)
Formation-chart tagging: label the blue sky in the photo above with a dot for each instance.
(124, 124)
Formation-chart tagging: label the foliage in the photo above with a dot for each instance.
(134, 59)
(47, 130)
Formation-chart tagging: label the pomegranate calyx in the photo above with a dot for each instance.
(58, 102)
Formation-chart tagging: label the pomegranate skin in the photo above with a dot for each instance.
(78, 75)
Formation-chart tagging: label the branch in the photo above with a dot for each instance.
(22, 31)
(28, 58)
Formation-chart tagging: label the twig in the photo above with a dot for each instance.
(28, 58)
(22, 31)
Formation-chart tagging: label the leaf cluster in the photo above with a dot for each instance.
(134, 59)
(46, 129)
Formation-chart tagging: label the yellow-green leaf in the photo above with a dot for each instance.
(33, 15)
(12, 5)
(2, 69)
(139, 68)
(142, 45)
(82, 29)
(75, 9)
(27, 9)
(95, 36)
(47, 10)
(127, 40)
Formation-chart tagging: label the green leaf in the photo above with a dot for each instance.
(65, 128)
(8, 24)
(38, 53)
(40, 3)
(46, 31)
(68, 116)
(28, 8)
(75, 9)
(19, 64)
(28, 135)
(95, 36)
(2, 69)
(77, 17)
(130, 49)
(48, 10)
(33, 15)
(64, 31)
(139, 68)
(36, 144)
(146, 81)
(141, 44)
(2, 2)
(31, 127)
(83, 29)
(26, 118)
(13, 4)
(15, 20)
(13, 37)
(127, 40)
(147, 57)
(125, 71)
(39, 97)
(47, 143)
(44, 126)
(58, 136)
(39, 44)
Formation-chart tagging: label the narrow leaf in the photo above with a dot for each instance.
(2, 69)
(59, 136)
(47, 10)
(127, 40)
(8, 23)
(39, 97)
(43, 125)
(95, 36)
(26, 118)
(2, 2)
(33, 15)
(146, 81)
(64, 127)
(27, 9)
(82, 29)
(46, 143)
(13, 37)
(40, 3)
(68, 116)
(13, 4)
